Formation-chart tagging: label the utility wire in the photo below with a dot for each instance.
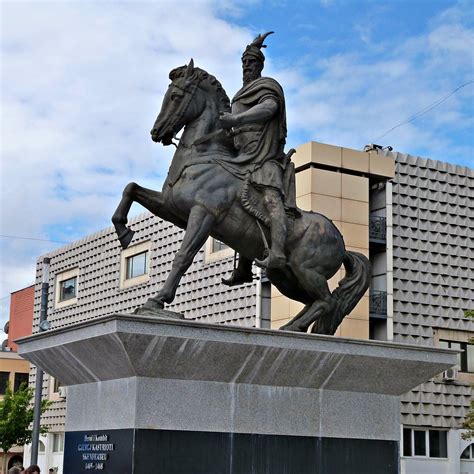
(32, 238)
(423, 111)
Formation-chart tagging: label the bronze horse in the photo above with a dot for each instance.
(204, 198)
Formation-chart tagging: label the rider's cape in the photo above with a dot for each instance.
(273, 137)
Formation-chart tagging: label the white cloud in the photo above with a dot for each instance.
(352, 99)
(82, 85)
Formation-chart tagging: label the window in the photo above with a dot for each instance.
(58, 442)
(216, 250)
(66, 288)
(425, 443)
(20, 379)
(56, 385)
(135, 265)
(468, 453)
(217, 246)
(466, 358)
(4, 376)
(41, 447)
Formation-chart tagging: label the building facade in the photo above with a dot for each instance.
(412, 217)
(13, 369)
(433, 284)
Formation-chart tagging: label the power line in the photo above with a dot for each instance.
(32, 238)
(423, 111)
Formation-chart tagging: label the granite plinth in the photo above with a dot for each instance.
(121, 346)
(262, 397)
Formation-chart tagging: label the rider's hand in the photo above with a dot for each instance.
(227, 121)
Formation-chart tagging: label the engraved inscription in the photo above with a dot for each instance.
(95, 450)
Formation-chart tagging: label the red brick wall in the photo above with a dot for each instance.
(21, 315)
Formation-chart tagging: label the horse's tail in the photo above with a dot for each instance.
(350, 290)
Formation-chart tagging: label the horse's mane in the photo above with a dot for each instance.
(204, 77)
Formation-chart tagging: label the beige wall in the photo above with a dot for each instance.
(336, 185)
(11, 362)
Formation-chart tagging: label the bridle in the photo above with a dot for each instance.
(183, 107)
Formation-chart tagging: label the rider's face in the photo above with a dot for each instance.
(252, 68)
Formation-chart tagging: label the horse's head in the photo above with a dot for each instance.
(181, 104)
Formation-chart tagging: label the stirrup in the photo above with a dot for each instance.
(271, 262)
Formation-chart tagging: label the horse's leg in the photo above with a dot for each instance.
(317, 287)
(200, 222)
(119, 219)
(149, 199)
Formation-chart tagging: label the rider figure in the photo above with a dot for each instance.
(258, 123)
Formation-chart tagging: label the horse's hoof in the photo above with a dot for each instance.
(126, 237)
(151, 306)
(154, 304)
(291, 327)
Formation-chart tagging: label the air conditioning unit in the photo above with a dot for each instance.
(62, 392)
(450, 375)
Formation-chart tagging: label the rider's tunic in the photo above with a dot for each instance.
(260, 145)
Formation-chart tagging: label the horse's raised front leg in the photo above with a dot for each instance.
(120, 217)
(200, 222)
(149, 199)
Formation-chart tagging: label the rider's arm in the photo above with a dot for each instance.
(257, 114)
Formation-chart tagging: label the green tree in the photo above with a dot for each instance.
(16, 416)
(468, 423)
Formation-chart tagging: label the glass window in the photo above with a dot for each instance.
(67, 289)
(4, 376)
(20, 379)
(406, 442)
(467, 453)
(217, 246)
(457, 346)
(137, 265)
(425, 443)
(58, 442)
(466, 358)
(470, 357)
(41, 447)
(419, 442)
(438, 444)
(56, 385)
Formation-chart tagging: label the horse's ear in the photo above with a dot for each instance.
(190, 68)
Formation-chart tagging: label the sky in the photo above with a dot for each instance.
(82, 83)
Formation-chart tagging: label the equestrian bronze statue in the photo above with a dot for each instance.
(231, 179)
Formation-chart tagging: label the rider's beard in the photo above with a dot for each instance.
(250, 75)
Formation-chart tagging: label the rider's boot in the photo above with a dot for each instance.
(240, 275)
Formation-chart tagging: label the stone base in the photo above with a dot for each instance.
(147, 394)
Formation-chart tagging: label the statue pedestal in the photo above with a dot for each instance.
(147, 394)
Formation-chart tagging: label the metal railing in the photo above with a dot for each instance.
(378, 303)
(378, 229)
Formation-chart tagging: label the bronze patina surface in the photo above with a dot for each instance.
(231, 179)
